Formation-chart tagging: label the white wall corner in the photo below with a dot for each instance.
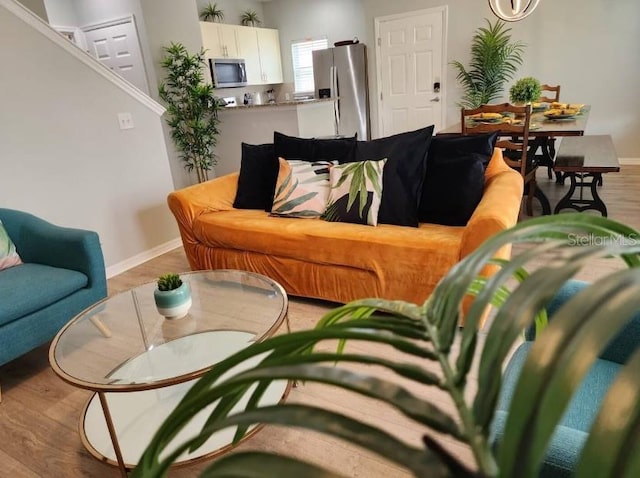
(142, 257)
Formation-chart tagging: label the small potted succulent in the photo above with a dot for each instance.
(250, 18)
(172, 296)
(525, 91)
(211, 13)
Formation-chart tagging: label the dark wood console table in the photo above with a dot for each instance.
(582, 158)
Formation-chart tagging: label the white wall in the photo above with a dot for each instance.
(63, 156)
(37, 7)
(299, 19)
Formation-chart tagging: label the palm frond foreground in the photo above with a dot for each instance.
(426, 334)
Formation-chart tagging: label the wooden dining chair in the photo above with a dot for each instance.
(513, 138)
(550, 143)
(549, 99)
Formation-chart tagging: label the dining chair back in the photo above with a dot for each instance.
(544, 98)
(550, 143)
(513, 139)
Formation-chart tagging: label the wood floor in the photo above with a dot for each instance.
(39, 413)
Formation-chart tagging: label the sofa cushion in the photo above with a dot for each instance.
(455, 176)
(302, 188)
(34, 286)
(341, 244)
(8, 255)
(258, 171)
(404, 173)
(311, 149)
(356, 192)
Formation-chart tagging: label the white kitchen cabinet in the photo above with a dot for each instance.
(270, 57)
(219, 40)
(248, 49)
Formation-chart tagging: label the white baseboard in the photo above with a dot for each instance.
(138, 259)
(629, 161)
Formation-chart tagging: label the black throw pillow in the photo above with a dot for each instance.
(454, 183)
(257, 179)
(404, 173)
(314, 149)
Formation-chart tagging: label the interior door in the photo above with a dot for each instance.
(410, 54)
(115, 45)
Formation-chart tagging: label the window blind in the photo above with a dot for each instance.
(303, 62)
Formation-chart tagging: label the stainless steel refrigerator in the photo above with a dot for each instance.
(341, 73)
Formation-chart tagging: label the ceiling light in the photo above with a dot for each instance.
(519, 9)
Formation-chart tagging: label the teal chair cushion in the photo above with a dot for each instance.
(570, 436)
(34, 286)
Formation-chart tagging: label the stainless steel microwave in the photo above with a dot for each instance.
(228, 72)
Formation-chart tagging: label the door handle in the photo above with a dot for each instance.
(435, 100)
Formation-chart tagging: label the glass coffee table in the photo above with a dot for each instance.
(140, 364)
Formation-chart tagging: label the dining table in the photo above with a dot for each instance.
(542, 130)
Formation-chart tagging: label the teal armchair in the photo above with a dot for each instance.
(571, 435)
(63, 273)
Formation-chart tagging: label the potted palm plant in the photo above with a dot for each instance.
(427, 333)
(172, 296)
(211, 13)
(495, 58)
(192, 109)
(250, 18)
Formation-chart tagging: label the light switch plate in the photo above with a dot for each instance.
(125, 120)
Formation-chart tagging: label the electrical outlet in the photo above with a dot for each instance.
(125, 120)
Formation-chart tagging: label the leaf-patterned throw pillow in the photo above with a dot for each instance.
(8, 255)
(302, 188)
(356, 191)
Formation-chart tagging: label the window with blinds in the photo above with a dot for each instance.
(303, 62)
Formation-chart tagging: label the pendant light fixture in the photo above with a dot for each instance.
(519, 9)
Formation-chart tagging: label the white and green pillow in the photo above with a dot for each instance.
(356, 192)
(8, 255)
(302, 188)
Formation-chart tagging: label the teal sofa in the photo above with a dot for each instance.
(570, 436)
(63, 273)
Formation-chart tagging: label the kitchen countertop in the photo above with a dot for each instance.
(282, 103)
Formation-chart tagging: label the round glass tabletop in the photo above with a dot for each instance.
(123, 343)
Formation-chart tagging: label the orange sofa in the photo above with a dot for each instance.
(338, 261)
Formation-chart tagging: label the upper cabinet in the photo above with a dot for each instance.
(259, 47)
(219, 40)
(270, 58)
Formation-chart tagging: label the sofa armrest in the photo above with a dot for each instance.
(40, 242)
(498, 209)
(188, 203)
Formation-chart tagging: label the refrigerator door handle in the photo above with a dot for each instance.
(334, 94)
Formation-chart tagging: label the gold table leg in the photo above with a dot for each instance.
(112, 434)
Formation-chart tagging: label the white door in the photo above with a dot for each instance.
(115, 44)
(410, 62)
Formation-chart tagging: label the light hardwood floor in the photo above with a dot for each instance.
(39, 413)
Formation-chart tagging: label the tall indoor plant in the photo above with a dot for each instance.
(495, 58)
(427, 332)
(192, 109)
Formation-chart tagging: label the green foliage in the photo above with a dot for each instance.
(192, 110)
(250, 17)
(494, 61)
(525, 90)
(169, 282)
(554, 368)
(212, 13)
